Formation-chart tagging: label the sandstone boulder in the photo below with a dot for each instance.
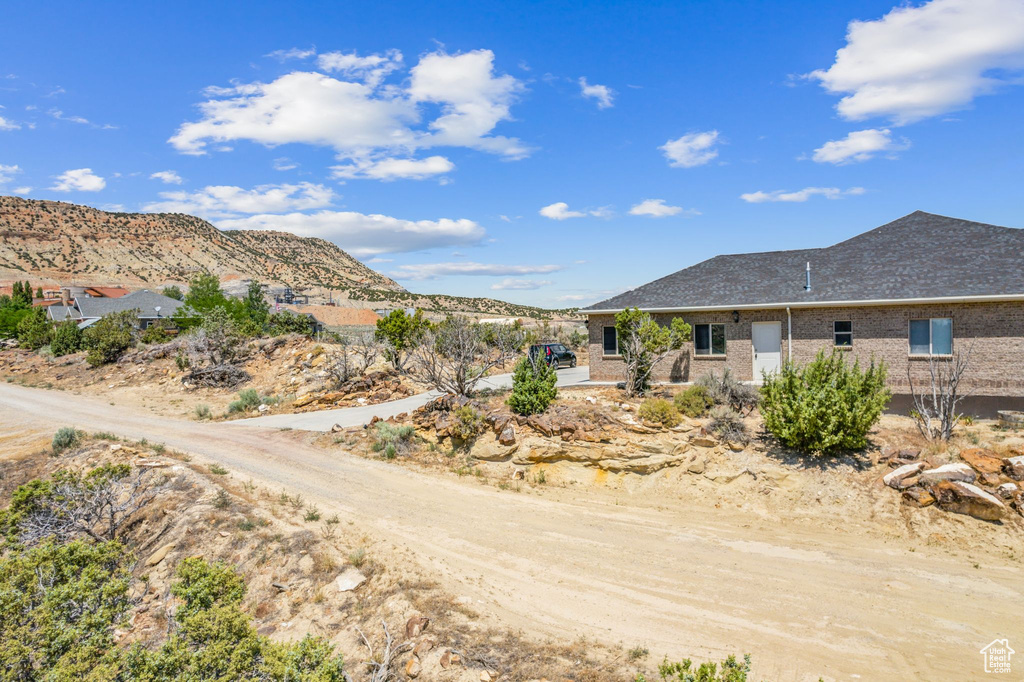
(957, 471)
(918, 497)
(965, 498)
(1014, 467)
(1006, 490)
(894, 477)
(507, 435)
(349, 580)
(983, 461)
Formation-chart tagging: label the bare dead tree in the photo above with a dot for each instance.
(354, 356)
(382, 667)
(212, 349)
(935, 407)
(95, 505)
(454, 356)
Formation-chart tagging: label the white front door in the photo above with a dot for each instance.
(767, 338)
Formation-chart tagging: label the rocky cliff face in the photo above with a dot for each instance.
(60, 242)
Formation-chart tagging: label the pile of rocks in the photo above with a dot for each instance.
(983, 484)
(565, 433)
(370, 389)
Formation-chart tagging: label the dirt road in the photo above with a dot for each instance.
(678, 578)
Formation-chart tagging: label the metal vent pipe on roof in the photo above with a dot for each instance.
(807, 286)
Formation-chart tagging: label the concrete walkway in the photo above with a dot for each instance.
(357, 416)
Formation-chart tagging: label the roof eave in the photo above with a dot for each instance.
(818, 304)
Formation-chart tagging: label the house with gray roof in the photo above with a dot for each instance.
(924, 286)
(87, 310)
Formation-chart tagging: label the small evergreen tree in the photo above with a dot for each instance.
(533, 386)
(643, 343)
(111, 336)
(35, 330)
(67, 338)
(400, 332)
(39, 292)
(827, 406)
(173, 291)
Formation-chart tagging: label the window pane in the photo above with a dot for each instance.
(844, 340)
(701, 339)
(942, 336)
(610, 345)
(842, 327)
(919, 337)
(718, 339)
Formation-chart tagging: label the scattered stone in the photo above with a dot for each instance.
(423, 647)
(507, 435)
(957, 471)
(415, 626)
(965, 498)
(160, 554)
(449, 658)
(983, 461)
(1007, 490)
(337, 428)
(919, 497)
(263, 408)
(518, 475)
(703, 441)
(412, 667)
(279, 587)
(908, 454)
(1014, 467)
(893, 478)
(485, 676)
(696, 467)
(349, 580)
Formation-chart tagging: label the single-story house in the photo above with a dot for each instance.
(919, 287)
(88, 309)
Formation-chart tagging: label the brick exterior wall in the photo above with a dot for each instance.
(993, 331)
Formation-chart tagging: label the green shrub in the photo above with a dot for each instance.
(248, 399)
(286, 322)
(727, 424)
(155, 333)
(467, 423)
(730, 670)
(660, 411)
(826, 406)
(35, 330)
(695, 401)
(724, 389)
(66, 438)
(111, 336)
(533, 387)
(391, 440)
(202, 411)
(67, 338)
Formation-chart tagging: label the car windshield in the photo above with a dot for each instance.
(557, 348)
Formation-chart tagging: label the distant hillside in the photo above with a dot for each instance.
(56, 241)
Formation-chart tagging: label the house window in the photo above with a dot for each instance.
(611, 341)
(931, 337)
(842, 331)
(709, 339)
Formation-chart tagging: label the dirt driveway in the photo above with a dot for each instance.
(679, 577)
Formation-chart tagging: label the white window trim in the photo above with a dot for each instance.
(931, 352)
(835, 333)
(711, 345)
(604, 351)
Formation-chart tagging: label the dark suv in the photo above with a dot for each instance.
(556, 354)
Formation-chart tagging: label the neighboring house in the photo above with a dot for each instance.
(921, 286)
(87, 309)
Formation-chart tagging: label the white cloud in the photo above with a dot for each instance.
(167, 177)
(517, 284)
(7, 124)
(567, 298)
(435, 270)
(925, 60)
(371, 69)
(283, 163)
(22, 190)
(8, 172)
(560, 211)
(656, 208)
(799, 196)
(693, 149)
(394, 169)
(602, 93)
(448, 101)
(366, 235)
(61, 116)
(225, 201)
(79, 180)
(860, 145)
(292, 53)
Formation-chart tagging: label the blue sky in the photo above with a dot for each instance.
(545, 153)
